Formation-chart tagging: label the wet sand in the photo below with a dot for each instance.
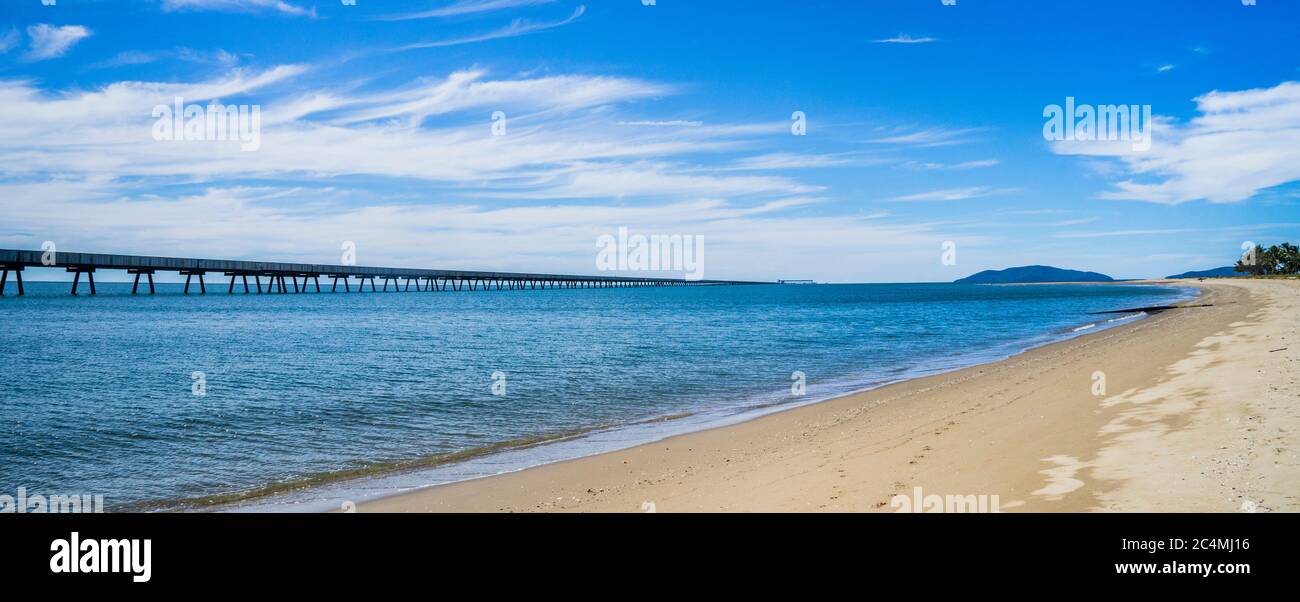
(1200, 410)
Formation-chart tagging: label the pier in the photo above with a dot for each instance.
(290, 278)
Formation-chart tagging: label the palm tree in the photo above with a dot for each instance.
(1277, 259)
(1288, 256)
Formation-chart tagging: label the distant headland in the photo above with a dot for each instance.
(1223, 272)
(1033, 274)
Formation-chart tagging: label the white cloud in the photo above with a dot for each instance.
(563, 141)
(930, 137)
(48, 41)
(1239, 144)
(279, 6)
(903, 38)
(464, 7)
(218, 58)
(953, 194)
(962, 166)
(665, 124)
(10, 40)
(516, 28)
(772, 161)
(1112, 233)
(1165, 68)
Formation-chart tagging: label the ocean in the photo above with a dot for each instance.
(308, 401)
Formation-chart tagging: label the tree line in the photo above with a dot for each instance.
(1277, 259)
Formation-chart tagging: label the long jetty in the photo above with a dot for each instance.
(16, 261)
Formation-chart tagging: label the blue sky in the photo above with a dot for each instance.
(924, 125)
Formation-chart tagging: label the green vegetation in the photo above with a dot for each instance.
(1276, 260)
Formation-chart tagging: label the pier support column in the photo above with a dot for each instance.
(135, 286)
(18, 278)
(76, 279)
(203, 289)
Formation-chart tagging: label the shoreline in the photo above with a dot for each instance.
(673, 469)
(369, 484)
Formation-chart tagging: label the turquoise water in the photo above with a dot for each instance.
(97, 394)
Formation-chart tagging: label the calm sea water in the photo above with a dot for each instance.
(97, 394)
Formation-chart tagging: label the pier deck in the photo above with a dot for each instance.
(276, 273)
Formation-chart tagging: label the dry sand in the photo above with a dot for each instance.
(1200, 413)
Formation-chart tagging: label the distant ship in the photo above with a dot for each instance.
(795, 282)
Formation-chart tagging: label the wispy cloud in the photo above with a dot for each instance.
(930, 137)
(962, 166)
(463, 7)
(560, 145)
(776, 161)
(903, 38)
(952, 194)
(516, 28)
(48, 41)
(279, 6)
(1165, 68)
(1112, 233)
(218, 58)
(10, 40)
(673, 123)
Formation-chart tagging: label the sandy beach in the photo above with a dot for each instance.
(1199, 413)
